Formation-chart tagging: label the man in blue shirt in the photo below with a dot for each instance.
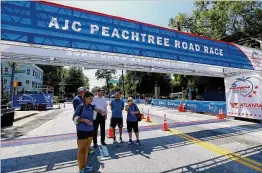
(78, 100)
(117, 106)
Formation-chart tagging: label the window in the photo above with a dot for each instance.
(6, 69)
(28, 71)
(5, 81)
(27, 82)
(33, 84)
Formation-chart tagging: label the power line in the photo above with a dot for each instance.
(247, 38)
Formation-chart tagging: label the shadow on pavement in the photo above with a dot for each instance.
(67, 158)
(16, 132)
(222, 164)
(212, 134)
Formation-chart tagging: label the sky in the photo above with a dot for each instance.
(156, 12)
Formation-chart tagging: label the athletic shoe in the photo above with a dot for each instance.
(121, 140)
(114, 142)
(95, 145)
(130, 142)
(137, 142)
(103, 143)
(91, 151)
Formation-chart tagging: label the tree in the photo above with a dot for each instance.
(144, 83)
(226, 20)
(75, 78)
(52, 76)
(95, 89)
(105, 74)
(222, 19)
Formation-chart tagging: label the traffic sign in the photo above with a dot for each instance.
(114, 81)
(20, 71)
(6, 75)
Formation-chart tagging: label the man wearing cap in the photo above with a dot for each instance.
(78, 100)
(100, 119)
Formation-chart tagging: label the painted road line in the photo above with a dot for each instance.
(71, 136)
(105, 151)
(225, 151)
(104, 155)
(219, 150)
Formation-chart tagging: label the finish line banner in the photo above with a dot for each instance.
(244, 96)
(46, 23)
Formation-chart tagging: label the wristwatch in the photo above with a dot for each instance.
(76, 120)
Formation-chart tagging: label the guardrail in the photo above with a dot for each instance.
(195, 106)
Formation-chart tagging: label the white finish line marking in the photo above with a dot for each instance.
(104, 155)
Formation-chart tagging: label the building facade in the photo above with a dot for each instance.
(29, 76)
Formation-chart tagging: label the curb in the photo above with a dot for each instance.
(20, 118)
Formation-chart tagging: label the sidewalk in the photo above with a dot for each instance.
(19, 115)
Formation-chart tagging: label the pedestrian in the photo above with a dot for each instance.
(117, 106)
(132, 120)
(78, 100)
(100, 118)
(84, 121)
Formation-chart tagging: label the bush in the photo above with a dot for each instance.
(56, 99)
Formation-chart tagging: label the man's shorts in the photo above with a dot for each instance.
(116, 121)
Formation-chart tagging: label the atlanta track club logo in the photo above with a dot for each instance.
(244, 87)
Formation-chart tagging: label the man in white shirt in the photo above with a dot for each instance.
(100, 119)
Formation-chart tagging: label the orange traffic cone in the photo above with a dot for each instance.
(142, 115)
(165, 128)
(148, 117)
(110, 133)
(220, 114)
(180, 107)
(183, 108)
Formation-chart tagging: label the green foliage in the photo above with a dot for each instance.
(75, 78)
(227, 20)
(107, 75)
(56, 99)
(144, 83)
(222, 19)
(94, 90)
(52, 76)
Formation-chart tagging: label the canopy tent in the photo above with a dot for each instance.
(48, 33)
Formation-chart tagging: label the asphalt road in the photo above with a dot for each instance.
(195, 143)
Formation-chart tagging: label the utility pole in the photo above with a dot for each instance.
(62, 89)
(11, 96)
(123, 83)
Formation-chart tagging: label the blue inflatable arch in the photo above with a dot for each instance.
(48, 33)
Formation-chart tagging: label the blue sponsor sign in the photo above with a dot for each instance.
(20, 99)
(51, 24)
(196, 106)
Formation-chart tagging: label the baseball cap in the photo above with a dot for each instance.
(81, 89)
